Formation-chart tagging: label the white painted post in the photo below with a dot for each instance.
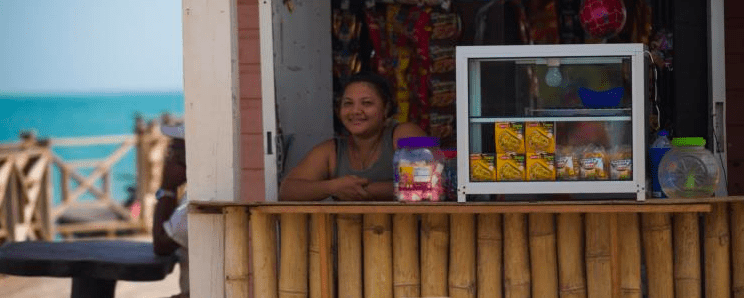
(210, 55)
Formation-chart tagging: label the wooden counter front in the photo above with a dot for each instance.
(494, 249)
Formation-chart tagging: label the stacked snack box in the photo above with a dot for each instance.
(540, 147)
(510, 151)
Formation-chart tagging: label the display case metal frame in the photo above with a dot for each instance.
(468, 81)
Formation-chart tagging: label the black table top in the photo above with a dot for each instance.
(113, 260)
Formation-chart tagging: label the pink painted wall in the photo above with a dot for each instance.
(251, 126)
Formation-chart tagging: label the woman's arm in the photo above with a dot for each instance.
(406, 130)
(381, 191)
(309, 181)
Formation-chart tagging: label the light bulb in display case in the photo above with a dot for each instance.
(553, 78)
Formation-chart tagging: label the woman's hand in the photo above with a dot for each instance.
(350, 188)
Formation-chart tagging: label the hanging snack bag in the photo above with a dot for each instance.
(443, 58)
(510, 167)
(509, 137)
(445, 25)
(621, 163)
(567, 164)
(540, 137)
(594, 163)
(443, 93)
(540, 166)
(482, 167)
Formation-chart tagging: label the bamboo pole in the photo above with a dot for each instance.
(686, 255)
(263, 230)
(462, 282)
(657, 245)
(378, 256)
(490, 249)
(543, 263)
(236, 252)
(629, 235)
(516, 258)
(320, 257)
(717, 261)
(434, 259)
(570, 245)
(406, 272)
(598, 255)
(293, 263)
(349, 255)
(737, 248)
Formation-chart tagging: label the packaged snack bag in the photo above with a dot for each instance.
(509, 137)
(540, 166)
(539, 137)
(510, 167)
(594, 163)
(621, 163)
(567, 164)
(482, 167)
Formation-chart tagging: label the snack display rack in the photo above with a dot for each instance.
(551, 119)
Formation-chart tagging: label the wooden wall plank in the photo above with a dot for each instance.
(206, 255)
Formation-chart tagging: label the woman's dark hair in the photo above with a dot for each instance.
(381, 86)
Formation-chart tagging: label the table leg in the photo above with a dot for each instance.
(83, 287)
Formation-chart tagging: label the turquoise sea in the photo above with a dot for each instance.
(86, 114)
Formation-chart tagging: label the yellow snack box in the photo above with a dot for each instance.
(539, 137)
(482, 167)
(510, 167)
(540, 166)
(509, 137)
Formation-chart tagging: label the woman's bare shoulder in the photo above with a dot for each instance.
(408, 129)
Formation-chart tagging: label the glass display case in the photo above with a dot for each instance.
(551, 119)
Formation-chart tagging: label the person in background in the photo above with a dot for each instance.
(357, 166)
(169, 229)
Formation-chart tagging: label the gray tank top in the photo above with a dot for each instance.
(381, 170)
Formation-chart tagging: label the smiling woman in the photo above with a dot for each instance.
(357, 166)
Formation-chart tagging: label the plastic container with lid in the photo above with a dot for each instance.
(419, 168)
(689, 170)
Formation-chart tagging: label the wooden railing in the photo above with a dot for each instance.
(25, 192)
(559, 249)
(26, 186)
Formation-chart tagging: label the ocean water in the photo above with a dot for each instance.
(81, 115)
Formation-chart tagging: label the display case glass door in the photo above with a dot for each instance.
(558, 119)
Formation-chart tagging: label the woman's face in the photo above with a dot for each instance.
(361, 109)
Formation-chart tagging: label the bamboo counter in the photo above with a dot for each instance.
(688, 247)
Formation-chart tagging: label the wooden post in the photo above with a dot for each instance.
(462, 282)
(434, 255)
(406, 272)
(321, 259)
(717, 261)
(516, 258)
(686, 255)
(737, 248)
(378, 255)
(598, 255)
(293, 282)
(141, 169)
(263, 231)
(657, 244)
(629, 233)
(543, 263)
(570, 245)
(490, 249)
(349, 255)
(65, 183)
(236, 252)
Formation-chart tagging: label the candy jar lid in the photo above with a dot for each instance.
(418, 142)
(688, 142)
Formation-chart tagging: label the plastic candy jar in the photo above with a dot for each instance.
(418, 165)
(688, 169)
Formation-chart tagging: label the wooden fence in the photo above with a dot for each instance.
(660, 248)
(26, 187)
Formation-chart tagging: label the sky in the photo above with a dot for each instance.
(90, 46)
